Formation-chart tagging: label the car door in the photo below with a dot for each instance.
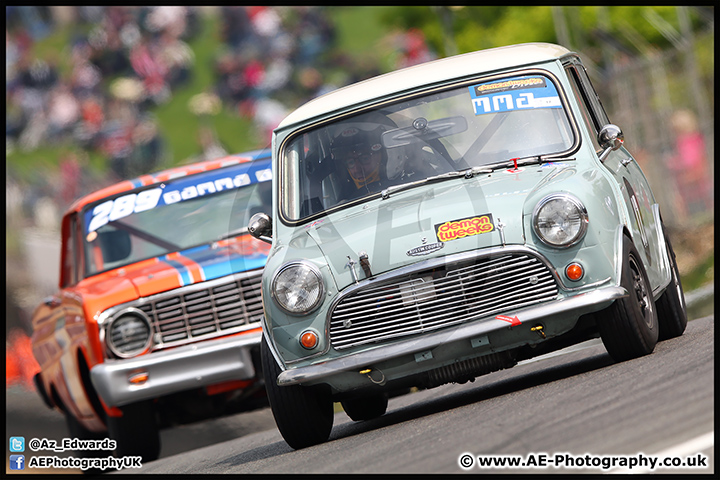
(67, 320)
(640, 205)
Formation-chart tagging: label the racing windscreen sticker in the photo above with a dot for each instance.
(517, 93)
(464, 227)
(172, 192)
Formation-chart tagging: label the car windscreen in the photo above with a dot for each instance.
(175, 215)
(480, 124)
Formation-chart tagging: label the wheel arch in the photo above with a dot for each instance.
(92, 395)
(622, 232)
(57, 401)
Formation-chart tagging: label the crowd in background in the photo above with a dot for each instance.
(122, 62)
(144, 49)
(132, 59)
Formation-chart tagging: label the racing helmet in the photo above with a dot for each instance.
(358, 145)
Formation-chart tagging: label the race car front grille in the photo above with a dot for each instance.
(428, 300)
(205, 310)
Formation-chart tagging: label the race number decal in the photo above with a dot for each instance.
(123, 206)
(177, 190)
(517, 93)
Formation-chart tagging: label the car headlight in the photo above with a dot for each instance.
(129, 333)
(560, 220)
(298, 288)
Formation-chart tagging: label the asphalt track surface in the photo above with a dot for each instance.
(578, 403)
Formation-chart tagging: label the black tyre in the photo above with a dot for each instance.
(671, 309)
(365, 408)
(78, 431)
(629, 327)
(304, 415)
(136, 432)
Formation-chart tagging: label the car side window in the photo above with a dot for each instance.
(69, 266)
(78, 257)
(591, 121)
(594, 104)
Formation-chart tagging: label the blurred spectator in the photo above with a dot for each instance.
(171, 19)
(85, 76)
(689, 165)
(91, 122)
(146, 64)
(70, 175)
(411, 48)
(63, 112)
(37, 74)
(178, 59)
(36, 19)
(116, 136)
(148, 147)
(235, 25)
(211, 148)
(268, 115)
(315, 33)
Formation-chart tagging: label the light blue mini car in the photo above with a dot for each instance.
(447, 220)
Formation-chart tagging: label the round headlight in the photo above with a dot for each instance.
(298, 288)
(560, 220)
(129, 333)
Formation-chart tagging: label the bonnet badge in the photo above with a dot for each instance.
(425, 249)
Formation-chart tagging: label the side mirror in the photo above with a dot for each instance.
(610, 139)
(260, 227)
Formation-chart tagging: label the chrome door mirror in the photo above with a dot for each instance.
(260, 227)
(610, 139)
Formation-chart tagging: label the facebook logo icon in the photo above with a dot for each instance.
(17, 462)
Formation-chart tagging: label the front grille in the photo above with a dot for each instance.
(428, 300)
(205, 310)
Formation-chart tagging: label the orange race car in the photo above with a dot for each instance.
(157, 320)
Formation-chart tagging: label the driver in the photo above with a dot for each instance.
(361, 152)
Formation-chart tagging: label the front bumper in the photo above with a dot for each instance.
(182, 368)
(576, 305)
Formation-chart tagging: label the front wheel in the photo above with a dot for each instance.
(672, 313)
(77, 430)
(304, 415)
(629, 327)
(366, 408)
(136, 432)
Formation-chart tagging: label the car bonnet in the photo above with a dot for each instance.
(178, 269)
(434, 220)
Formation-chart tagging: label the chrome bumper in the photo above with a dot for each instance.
(175, 370)
(581, 304)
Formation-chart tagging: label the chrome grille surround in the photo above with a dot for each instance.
(440, 292)
(200, 311)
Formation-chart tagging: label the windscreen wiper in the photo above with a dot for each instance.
(148, 237)
(234, 233)
(468, 173)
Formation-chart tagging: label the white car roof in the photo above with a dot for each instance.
(426, 74)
